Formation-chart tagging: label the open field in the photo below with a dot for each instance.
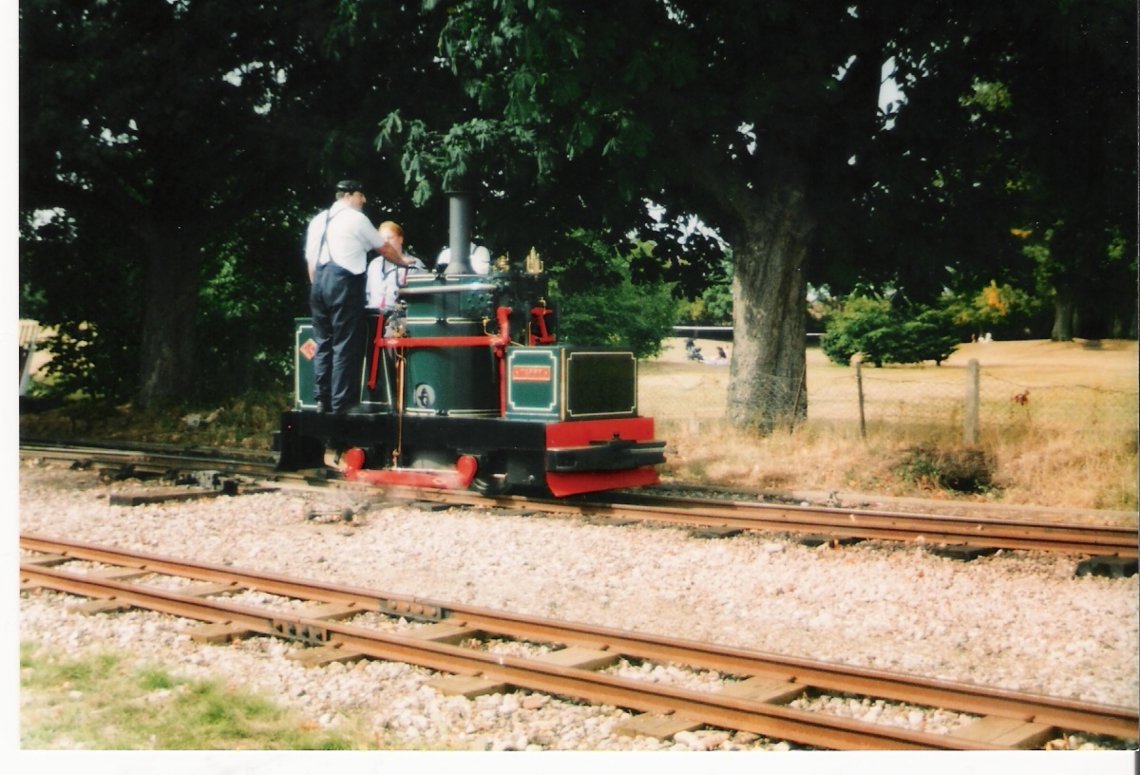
(1058, 424)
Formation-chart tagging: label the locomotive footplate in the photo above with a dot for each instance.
(566, 458)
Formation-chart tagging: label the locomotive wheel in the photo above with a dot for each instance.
(491, 476)
(491, 486)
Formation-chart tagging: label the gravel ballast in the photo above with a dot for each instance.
(1019, 620)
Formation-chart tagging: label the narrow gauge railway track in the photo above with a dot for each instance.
(1009, 719)
(151, 457)
(892, 526)
(979, 532)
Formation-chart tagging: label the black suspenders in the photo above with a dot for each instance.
(324, 236)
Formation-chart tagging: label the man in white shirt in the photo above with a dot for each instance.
(336, 249)
(479, 258)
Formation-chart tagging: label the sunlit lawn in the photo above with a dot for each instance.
(1058, 419)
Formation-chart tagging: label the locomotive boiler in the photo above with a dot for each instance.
(472, 389)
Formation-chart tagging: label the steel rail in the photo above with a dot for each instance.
(1092, 540)
(708, 708)
(971, 531)
(156, 457)
(967, 698)
(924, 529)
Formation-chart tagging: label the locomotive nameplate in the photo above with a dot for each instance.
(531, 373)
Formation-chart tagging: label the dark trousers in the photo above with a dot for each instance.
(337, 303)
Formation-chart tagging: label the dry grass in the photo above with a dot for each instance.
(1073, 443)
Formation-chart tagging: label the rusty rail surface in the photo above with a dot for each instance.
(1044, 714)
(891, 526)
(925, 529)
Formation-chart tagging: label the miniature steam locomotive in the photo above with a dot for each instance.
(473, 391)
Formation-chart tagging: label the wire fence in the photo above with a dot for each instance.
(948, 402)
(977, 403)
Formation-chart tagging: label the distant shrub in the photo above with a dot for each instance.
(712, 308)
(858, 326)
(1002, 310)
(884, 333)
(599, 303)
(622, 315)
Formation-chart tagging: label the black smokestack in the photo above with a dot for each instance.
(459, 233)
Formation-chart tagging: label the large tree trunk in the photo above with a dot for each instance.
(768, 385)
(167, 363)
(1064, 311)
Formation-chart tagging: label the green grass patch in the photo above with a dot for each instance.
(102, 702)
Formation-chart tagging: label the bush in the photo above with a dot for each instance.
(886, 334)
(1004, 311)
(968, 469)
(712, 308)
(622, 316)
(929, 336)
(600, 305)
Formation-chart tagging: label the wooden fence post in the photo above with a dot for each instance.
(970, 424)
(859, 382)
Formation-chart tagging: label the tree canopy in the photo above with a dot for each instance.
(766, 123)
(170, 154)
(174, 149)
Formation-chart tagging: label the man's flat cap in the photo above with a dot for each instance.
(349, 186)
